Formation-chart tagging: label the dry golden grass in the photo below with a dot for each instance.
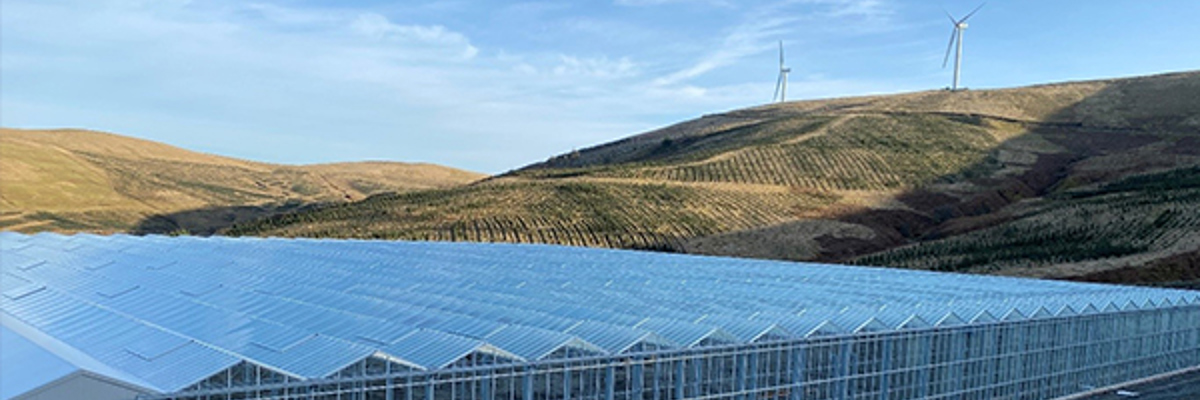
(76, 180)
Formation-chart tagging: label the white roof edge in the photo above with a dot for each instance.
(648, 337)
(392, 358)
(774, 327)
(827, 324)
(1013, 314)
(491, 349)
(870, 326)
(1041, 312)
(715, 332)
(33, 393)
(1066, 309)
(573, 341)
(950, 319)
(913, 319)
(338, 369)
(983, 316)
(74, 356)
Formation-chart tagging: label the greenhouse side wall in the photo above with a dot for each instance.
(1023, 359)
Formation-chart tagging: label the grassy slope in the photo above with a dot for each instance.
(74, 180)
(834, 180)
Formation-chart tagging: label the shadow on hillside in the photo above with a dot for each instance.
(1080, 131)
(1180, 271)
(931, 211)
(1085, 129)
(212, 220)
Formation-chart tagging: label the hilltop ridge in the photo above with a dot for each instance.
(70, 180)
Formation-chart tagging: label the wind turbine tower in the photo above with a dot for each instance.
(781, 83)
(956, 38)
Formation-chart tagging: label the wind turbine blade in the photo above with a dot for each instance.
(778, 85)
(953, 35)
(781, 54)
(973, 12)
(952, 20)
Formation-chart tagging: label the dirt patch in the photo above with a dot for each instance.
(1183, 267)
(788, 241)
(891, 228)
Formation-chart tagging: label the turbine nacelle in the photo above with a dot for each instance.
(781, 82)
(956, 37)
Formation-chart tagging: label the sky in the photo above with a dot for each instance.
(490, 86)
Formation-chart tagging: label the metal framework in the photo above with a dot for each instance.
(223, 318)
(1031, 359)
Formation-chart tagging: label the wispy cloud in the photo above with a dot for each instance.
(751, 37)
(865, 8)
(288, 16)
(377, 26)
(600, 67)
(760, 27)
(290, 83)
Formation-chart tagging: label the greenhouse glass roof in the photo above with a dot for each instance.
(167, 313)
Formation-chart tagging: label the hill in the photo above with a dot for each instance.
(1087, 180)
(76, 180)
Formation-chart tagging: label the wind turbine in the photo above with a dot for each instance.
(956, 36)
(781, 83)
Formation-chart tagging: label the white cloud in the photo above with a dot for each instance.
(764, 25)
(750, 37)
(600, 67)
(867, 16)
(379, 27)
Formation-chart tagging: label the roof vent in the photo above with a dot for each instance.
(113, 291)
(155, 347)
(98, 265)
(280, 345)
(18, 293)
(31, 265)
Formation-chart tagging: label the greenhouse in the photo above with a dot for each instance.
(128, 317)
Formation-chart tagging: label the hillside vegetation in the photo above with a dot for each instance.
(1063, 180)
(1136, 219)
(75, 180)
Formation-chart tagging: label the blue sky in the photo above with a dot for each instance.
(490, 86)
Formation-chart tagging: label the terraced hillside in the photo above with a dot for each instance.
(73, 180)
(880, 180)
(581, 212)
